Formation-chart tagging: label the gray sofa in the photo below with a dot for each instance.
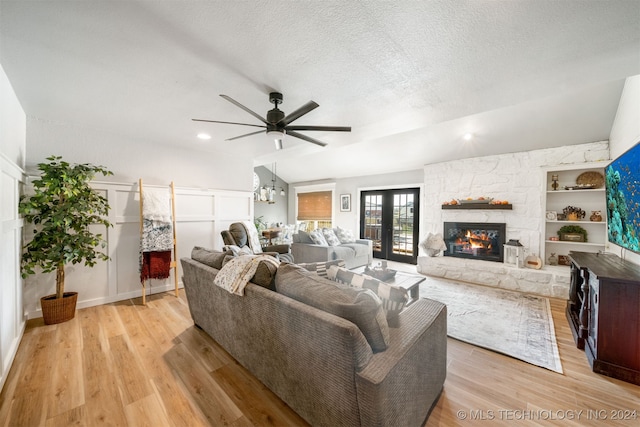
(320, 364)
(354, 254)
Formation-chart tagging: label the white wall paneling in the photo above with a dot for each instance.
(200, 217)
(12, 319)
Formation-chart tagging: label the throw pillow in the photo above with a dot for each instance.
(345, 236)
(394, 298)
(208, 257)
(265, 275)
(318, 238)
(320, 268)
(302, 237)
(330, 237)
(360, 306)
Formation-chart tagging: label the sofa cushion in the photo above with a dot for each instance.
(394, 298)
(318, 237)
(264, 275)
(320, 268)
(345, 236)
(209, 257)
(330, 237)
(360, 306)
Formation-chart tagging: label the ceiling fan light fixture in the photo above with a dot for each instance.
(277, 136)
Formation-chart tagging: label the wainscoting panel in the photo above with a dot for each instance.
(12, 320)
(200, 217)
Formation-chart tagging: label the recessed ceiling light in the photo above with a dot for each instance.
(467, 136)
(204, 136)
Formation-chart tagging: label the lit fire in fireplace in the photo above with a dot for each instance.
(475, 240)
(471, 242)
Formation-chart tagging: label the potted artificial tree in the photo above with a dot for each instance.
(62, 208)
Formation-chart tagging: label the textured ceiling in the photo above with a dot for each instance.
(410, 77)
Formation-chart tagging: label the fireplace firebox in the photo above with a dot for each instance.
(481, 241)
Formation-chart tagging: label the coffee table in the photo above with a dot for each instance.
(410, 282)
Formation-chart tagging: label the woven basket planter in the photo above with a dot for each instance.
(58, 310)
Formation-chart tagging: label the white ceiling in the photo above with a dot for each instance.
(410, 77)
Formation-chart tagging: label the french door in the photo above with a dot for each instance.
(390, 219)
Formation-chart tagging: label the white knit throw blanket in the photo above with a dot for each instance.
(235, 274)
(156, 204)
(252, 237)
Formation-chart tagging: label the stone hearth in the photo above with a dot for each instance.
(549, 282)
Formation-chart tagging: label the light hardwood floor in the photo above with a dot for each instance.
(124, 364)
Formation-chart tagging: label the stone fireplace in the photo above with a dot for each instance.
(479, 241)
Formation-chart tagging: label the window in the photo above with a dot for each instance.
(315, 209)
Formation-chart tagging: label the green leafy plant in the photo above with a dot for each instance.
(573, 229)
(62, 207)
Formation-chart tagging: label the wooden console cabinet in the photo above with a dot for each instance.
(604, 313)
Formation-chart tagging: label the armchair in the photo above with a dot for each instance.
(244, 233)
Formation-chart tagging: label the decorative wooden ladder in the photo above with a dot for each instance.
(174, 263)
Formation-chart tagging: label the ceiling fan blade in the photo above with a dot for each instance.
(228, 123)
(242, 136)
(237, 104)
(307, 138)
(309, 106)
(325, 128)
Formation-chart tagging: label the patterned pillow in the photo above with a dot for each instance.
(320, 268)
(330, 236)
(394, 298)
(318, 238)
(345, 236)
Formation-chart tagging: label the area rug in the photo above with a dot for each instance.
(516, 324)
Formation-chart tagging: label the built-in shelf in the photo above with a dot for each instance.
(591, 190)
(579, 222)
(478, 206)
(566, 242)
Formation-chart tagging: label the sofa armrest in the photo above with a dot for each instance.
(306, 252)
(369, 243)
(399, 386)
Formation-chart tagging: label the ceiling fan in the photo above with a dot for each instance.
(277, 124)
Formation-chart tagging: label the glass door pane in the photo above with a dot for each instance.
(372, 220)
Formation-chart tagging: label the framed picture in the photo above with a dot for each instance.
(345, 203)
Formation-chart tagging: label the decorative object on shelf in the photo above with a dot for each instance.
(561, 217)
(572, 233)
(573, 213)
(554, 238)
(553, 259)
(514, 253)
(554, 179)
(345, 203)
(433, 245)
(590, 179)
(580, 187)
(563, 260)
(533, 261)
(596, 216)
(478, 200)
(552, 216)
